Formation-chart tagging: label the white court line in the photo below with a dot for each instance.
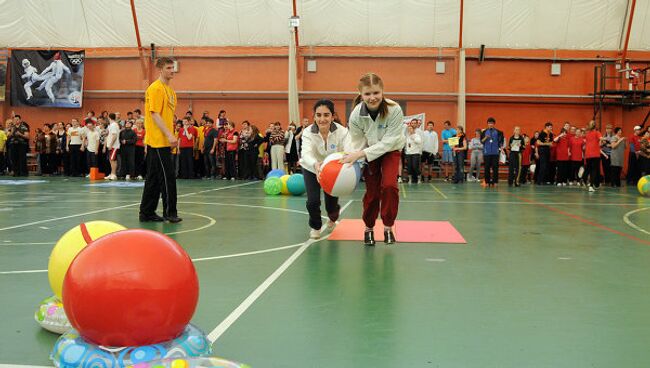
(235, 314)
(626, 219)
(113, 208)
(8, 242)
(514, 202)
(251, 253)
(247, 253)
(212, 222)
(19, 272)
(251, 206)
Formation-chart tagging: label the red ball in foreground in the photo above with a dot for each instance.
(131, 288)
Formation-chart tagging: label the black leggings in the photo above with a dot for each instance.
(413, 166)
(491, 169)
(186, 163)
(514, 169)
(75, 159)
(615, 175)
(575, 169)
(563, 171)
(593, 168)
(231, 168)
(313, 202)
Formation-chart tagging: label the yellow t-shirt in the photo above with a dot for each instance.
(3, 140)
(201, 138)
(159, 98)
(175, 148)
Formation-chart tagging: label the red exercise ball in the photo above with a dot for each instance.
(131, 288)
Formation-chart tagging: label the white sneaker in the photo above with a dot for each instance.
(399, 179)
(140, 177)
(88, 175)
(330, 225)
(128, 177)
(591, 189)
(112, 177)
(314, 234)
(232, 179)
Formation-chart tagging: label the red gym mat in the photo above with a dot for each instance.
(405, 231)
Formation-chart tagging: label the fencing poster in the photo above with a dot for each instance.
(47, 78)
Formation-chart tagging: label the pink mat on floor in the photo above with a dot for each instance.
(405, 231)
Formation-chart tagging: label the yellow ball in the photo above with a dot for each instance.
(70, 244)
(284, 179)
(644, 186)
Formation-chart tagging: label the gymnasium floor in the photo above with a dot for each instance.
(549, 277)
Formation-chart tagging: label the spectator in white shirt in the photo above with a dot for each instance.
(112, 145)
(74, 147)
(429, 150)
(91, 144)
(413, 151)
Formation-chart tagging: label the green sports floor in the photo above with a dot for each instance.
(549, 277)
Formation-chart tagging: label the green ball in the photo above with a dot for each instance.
(272, 186)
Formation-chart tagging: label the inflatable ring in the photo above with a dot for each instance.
(51, 316)
(71, 350)
(207, 362)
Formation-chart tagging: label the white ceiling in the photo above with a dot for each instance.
(545, 24)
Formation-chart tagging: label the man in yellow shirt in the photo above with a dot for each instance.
(160, 104)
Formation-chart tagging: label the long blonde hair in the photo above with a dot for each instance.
(372, 79)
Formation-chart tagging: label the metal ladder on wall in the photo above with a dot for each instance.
(613, 87)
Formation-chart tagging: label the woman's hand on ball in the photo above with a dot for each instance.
(352, 157)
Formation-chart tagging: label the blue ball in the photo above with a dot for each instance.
(296, 184)
(275, 173)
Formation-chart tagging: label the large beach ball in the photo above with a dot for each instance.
(272, 185)
(131, 288)
(296, 184)
(275, 173)
(284, 189)
(339, 179)
(644, 186)
(70, 244)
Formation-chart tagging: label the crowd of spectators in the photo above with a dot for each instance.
(580, 156)
(218, 148)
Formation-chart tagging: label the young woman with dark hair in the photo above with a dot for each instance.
(320, 139)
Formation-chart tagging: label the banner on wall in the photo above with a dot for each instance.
(3, 73)
(47, 78)
(421, 116)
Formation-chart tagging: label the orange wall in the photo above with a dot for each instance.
(403, 70)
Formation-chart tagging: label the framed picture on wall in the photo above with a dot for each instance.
(47, 78)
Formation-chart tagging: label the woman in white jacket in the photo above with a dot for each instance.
(320, 139)
(377, 135)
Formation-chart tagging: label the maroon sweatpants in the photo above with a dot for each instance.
(382, 192)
